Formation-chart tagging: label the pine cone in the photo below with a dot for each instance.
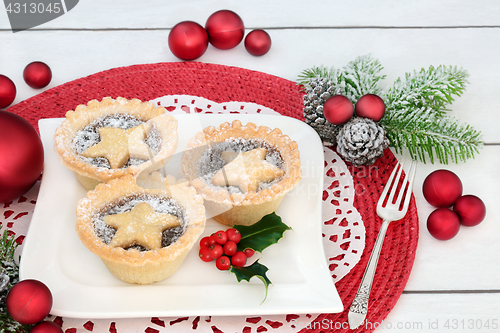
(361, 141)
(317, 92)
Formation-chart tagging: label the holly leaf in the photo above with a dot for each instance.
(256, 269)
(268, 231)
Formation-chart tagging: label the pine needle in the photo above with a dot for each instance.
(416, 116)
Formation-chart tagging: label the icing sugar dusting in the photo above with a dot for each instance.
(89, 136)
(211, 161)
(160, 204)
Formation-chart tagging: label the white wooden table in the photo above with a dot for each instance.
(454, 285)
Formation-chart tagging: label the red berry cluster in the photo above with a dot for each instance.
(222, 246)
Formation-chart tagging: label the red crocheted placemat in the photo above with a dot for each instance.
(223, 84)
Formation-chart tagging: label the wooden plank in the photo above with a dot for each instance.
(75, 54)
(443, 313)
(153, 14)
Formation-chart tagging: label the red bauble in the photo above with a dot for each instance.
(442, 188)
(188, 40)
(338, 109)
(370, 106)
(46, 327)
(225, 29)
(7, 91)
(29, 301)
(37, 75)
(258, 42)
(470, 209)
(443, 224)
(21, 156)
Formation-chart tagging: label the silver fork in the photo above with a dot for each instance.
(392, 211)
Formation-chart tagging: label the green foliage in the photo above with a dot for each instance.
(256, 269)
(268, 231)
(10, 268)
(359, 77)
(416, 117)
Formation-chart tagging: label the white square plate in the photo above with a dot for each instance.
(82, 287)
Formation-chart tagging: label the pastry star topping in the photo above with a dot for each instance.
(140, 226)
(115, 143)
(246, 170)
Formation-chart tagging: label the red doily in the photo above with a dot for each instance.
(223, 84)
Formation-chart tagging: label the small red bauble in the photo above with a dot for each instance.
(442, 188)
(225, 29)
(258, 42)
(21, 156)
(46, 327)
(188, 40)
(37, 75)
(7, 91)
(470, 209)
(338, 109)
(370, 106)
(443, 224)
(29, 301)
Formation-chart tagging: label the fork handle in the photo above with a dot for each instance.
(359, 306)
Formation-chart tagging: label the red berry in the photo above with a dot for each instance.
(205, 241)
(215, 251)
(204, 254)
(233, 235)
(212, 239)
(220, 237)
(223, 263)
(239, 259)
(249, 252)
(230, 248)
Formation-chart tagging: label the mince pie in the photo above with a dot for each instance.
(141, 235)
(108, 139)
(242, 171)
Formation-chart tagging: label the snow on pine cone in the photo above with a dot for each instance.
(361, 141)
(317, 91)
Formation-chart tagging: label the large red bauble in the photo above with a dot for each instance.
(21, 156)
(470, 209)
(443, 224)
(37, 75)
(370, 106)
(188, 40)
(258, 42)
(338, 109)
(29, 301)
(442, 188)
(7, 91)
(46, 327)
(225, 29)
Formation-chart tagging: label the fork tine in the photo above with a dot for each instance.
(403, 188)
(395, 184)
(387, 186)
(411, 172)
